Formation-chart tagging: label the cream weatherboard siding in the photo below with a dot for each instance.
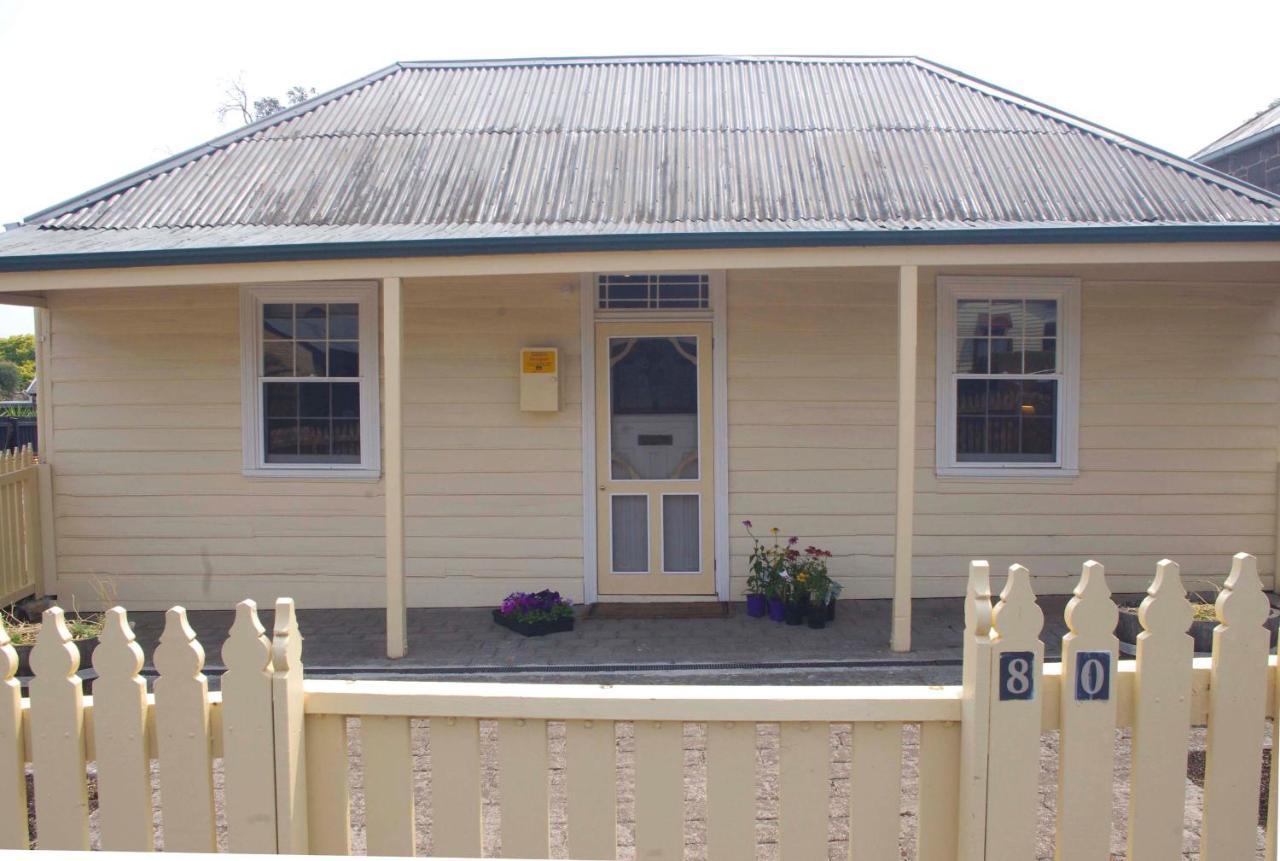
(1178, 442)
(493, 494)
(1178, 437)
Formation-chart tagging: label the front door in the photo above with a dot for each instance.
(655, 506)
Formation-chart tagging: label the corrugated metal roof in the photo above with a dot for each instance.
(1267, 121)
(653, 146)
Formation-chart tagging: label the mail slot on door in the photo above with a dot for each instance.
(540, 379)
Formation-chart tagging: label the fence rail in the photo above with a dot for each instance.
(285, 751)
(20, 539)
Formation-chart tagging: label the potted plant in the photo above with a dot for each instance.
(762, 583)
(818, 585)
(832, 595)
(1203, 619)
(535, 614)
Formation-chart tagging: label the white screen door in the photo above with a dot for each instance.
(655, 506)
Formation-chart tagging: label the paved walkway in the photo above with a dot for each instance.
(466, 644)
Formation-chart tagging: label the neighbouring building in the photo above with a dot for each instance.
(1250, 152)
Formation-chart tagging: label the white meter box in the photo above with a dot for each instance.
(540, 379)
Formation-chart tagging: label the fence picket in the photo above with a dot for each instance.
(1237, 714)
(523, 780)
(328, 795)
(731, 790)
(288, 715)
(33, 550)
(975, 711)
(387, 746)
(939, 781)
(875, 791)
(182, 735)
(248, 735)
(1017, 657)
(659, 788)
(1273, 800)
(120, 738)
(13, 782)
(591, 780)
(1161, 719)
(1087, 711)
(804, 757)
(57, 738)
(455, 787)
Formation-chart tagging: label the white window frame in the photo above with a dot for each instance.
(951, 289)
(252, 298)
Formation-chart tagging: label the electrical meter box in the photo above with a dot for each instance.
(540, 379)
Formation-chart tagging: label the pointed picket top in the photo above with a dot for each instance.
(8, 657)
(977, 599)
(1017, 617)
(1241, 601)
(118, 655)
(179, 654)
(1091, 614)
(54, 655)
(286, 641)
(1166, 608)
(247, 647)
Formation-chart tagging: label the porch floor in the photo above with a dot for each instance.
(465, 644)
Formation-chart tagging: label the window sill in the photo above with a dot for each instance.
(1009, 472)
(366, 475)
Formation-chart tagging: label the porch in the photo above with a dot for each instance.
(465, 645)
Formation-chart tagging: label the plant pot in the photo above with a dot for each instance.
(795, 613)
(816, 618)
(85, 647)
(1128, 628)
(831, 610)
(756, 606)
(777, 609)
(533, 629)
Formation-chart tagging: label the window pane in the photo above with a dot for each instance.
(346, 438)
(346, 400)
(971, 436)
(1016, 422)
(1004, 356)
(311, 359)
(277, 359)
(313, 436)
(680, 551)
(1038, 439)
(630, 534)
(277, 321)
(971, 355)
(1004, 397)
(344, 359)
(1042, 319)
(1039, 398)
(344, 321)
(1042, 356)
(313, 400)
(971, 317)
(280, 399)
(653, 394)
(311, 321)
(282, 438)
(971, 397)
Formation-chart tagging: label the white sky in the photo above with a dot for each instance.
(93, 90)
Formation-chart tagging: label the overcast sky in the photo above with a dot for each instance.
(94, 90)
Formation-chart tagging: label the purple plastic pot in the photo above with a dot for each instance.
(777, 609)
(756, 606)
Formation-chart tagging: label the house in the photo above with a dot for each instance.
(463, 328)
(1251, 151)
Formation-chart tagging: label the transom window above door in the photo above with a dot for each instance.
(654, 292)
(310, 380)
(1008, 360)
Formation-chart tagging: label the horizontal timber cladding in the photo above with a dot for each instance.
(1178, 431)
(1178, 438)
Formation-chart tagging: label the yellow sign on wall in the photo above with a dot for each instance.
(538, 361)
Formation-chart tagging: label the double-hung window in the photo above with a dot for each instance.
(310, 386)
(1008, 376)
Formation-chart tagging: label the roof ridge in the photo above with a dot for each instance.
(641, 59)
(1149, 151)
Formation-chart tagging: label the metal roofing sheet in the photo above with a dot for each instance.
(660, 146)
(1256, 127)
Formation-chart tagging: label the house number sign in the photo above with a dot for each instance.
(1093, 676)
(1017, 675)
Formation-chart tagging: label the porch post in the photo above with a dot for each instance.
(393, 462)
(908, 296)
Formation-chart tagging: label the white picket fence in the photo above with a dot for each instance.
(20, 547)
(285, 753)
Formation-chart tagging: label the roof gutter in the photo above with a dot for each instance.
(1144, 234)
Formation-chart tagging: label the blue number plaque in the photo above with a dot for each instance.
(1017, 675)
(1093, 676)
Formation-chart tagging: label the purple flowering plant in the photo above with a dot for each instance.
(544, 606)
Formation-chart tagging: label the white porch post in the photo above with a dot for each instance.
(393, 462)
(908, 296)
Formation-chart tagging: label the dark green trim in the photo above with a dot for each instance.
(643, 242)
